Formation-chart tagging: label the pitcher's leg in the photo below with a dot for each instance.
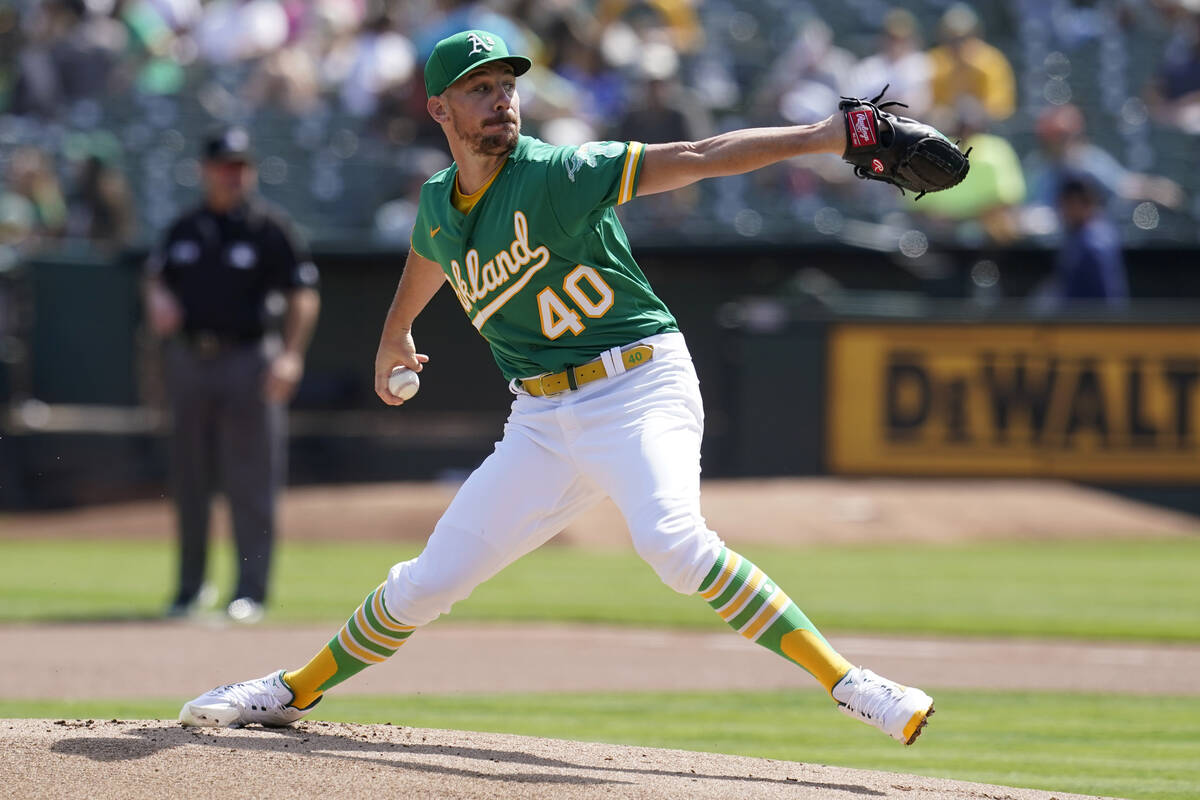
(522, 495)
(754, 606)
(650, 465)
(647, 456)
(643, 448)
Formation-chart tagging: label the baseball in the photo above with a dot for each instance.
(403, 382)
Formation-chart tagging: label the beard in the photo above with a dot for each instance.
(490, 144)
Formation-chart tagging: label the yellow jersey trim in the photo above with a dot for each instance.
(465, 202)
(633, 157)
(413, 247)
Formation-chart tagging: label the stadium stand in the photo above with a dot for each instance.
(337, 171)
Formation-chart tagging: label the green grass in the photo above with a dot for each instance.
(1144, 748)
(1117, 745)
(1112, 590)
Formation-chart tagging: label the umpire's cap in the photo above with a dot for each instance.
(228, 144)
(457, 55)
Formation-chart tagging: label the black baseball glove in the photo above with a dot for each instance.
(898, 150)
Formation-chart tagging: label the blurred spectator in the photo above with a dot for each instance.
(990, 195)
(69, 57)
(631, 24)
(379, 61)
(598, 88)
(11, 40)
(964, 65)
(806, 82)
(335, 31)
(899, 62)
(100, 204)
(17, 219)
(1072, 24)
(1089, 265)
(554, 23)
(662, 111)
(1063, 148)
(160, 41)
(32, 208)
(1174, 95)
(1174, 10)
(311, 64)
(393, 220)
(286, 79)
(241, 30)
(461, 15)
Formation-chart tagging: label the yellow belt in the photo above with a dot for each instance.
(594, 370)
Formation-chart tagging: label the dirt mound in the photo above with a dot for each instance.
(157, 759)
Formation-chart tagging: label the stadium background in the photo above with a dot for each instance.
(839, 333)
(768, 273)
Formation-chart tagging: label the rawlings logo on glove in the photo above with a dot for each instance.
(862, 128)
(897, 150)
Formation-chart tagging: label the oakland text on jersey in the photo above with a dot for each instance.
(538, 261)
(480, 281)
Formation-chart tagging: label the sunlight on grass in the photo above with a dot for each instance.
(1110, 590)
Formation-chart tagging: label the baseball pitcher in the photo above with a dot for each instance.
(606, 398)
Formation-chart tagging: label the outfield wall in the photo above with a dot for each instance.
(833, 360)
(1090, 399)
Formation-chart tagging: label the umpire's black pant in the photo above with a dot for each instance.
(224, 435)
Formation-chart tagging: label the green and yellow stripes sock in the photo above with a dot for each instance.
(368, 637)
(758, 609)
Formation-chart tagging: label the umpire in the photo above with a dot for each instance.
(223, 275)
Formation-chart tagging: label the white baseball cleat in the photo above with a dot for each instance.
(899, 711)
(265, 701)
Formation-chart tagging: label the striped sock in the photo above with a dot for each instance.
(368, 637)
(758, 609)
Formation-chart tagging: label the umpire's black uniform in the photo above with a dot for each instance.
(213, 276)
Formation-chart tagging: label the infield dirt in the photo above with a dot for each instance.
(100, 760)
(151, 759)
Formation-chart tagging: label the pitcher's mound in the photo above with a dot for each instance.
(159, 759)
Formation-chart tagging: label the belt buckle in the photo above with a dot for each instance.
(551, 393)
(540, 382)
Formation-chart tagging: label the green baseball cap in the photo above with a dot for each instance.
(457, 55)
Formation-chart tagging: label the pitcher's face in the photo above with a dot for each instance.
(483, 109)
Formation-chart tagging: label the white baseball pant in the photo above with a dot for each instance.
(634, 437)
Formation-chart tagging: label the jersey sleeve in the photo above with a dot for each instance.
(420, 242)
(292, 266)
(587, 179)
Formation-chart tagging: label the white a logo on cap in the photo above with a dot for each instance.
(480, 43)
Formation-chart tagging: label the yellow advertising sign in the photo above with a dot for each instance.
(1116, 402)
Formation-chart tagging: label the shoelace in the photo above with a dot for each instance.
(247, 695)
(872, 703)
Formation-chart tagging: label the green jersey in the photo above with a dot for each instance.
(540, 264)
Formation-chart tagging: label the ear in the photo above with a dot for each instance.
(437, 109)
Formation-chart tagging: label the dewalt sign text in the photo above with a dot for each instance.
(1091, 402)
